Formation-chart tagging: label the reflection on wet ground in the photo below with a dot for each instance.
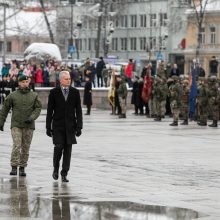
(17, 201)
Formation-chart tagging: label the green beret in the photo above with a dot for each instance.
(22, 77)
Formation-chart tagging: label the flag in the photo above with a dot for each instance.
(111, 91)
(145, 95)
(193, 94)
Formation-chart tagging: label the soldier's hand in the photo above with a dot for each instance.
(1, 128)
(49, 133)
(78, 132)
(28, 121)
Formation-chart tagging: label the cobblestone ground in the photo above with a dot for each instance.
(133, 159)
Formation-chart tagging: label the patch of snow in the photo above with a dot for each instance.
(38, 52)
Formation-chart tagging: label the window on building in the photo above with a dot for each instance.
(115, 44)
(133, 20)
(133, 43)
(79, 44)
(153, 20)
(143, 20)
(124, 21)
(163, 19)
(85, 44)
(143, 42)
(212, 35)
(153, 43)
(124, 44)
(90, 44)
(9, 49)
(202, 35)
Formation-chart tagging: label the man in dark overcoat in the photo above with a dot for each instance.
(63, 122)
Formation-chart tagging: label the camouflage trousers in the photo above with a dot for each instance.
(175, 110)
(202, 113)
(214, 112)
(22, 138)
(152, 106)
(161, 108)
(185, 111)
(122, 105)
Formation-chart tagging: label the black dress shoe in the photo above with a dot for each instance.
(64, 179)
(55, 175)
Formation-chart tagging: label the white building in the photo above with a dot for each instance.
(143, 29)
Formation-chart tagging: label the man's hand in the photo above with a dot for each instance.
(1, 128)
(28, 121)
(78, 132)
(49, 133)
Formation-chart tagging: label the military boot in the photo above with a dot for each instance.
(122, 116)
(202, 123)
(214, 124)
(13, 171)
(21, 171)
(175, 123)
(157, 119)
(185, 122)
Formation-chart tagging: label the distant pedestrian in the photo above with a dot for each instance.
(129, 72)
(26, 108)
(99, 67)
(87, 98)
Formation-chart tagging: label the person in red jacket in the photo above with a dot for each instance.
(38, 76)
(128, 71)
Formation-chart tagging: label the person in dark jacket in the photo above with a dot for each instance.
(87, 98)
(63, 122)
(99, 67)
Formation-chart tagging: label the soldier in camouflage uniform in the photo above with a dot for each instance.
(202, 101)
(122, 95)
(26, 108)
(214, 100)
(175, 96)
(161, 91)
(185, 101)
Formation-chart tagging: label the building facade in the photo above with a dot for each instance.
(210, 37)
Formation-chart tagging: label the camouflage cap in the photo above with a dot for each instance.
(212, 78)
(201, 78)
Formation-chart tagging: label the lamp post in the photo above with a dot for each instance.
(103, 15)
(4, 5)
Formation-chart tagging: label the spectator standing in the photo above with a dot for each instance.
(128, 72)
(87, 98)
(99, 67)
(38, 76)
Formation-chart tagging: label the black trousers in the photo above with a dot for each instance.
(59, 151)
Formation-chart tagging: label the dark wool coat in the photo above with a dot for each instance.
(87, 98)
(64, 117)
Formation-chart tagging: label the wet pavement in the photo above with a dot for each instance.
(127, 169)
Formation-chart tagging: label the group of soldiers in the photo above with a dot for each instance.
(176, 94)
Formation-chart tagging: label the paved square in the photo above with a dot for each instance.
(133, 159)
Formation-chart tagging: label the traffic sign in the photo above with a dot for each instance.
(160, 56)
(71, 49)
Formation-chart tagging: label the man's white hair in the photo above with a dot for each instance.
(62, 73)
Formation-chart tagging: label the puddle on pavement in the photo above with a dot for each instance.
(17, 201)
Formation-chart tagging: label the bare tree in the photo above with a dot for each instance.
(200, 9)
(47, 22)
